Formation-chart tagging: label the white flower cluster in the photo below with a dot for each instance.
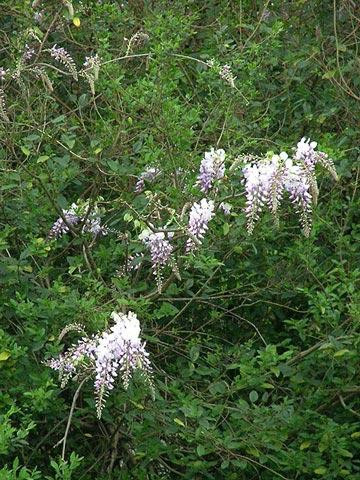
(267, 179)
(212, 168)
(200, 215)
(77, 214)
(118, 351)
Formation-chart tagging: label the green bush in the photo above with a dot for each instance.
(254, 342)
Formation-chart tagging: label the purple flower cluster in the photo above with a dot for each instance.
(118, 351)
(306, 154)
(225, 207)
(29, 52)
(150, 174)
(61, 227)
(160, 248)
(69, 362)
(268, 178)
(75, 215)
(92, 61)
(200, 215)
(62, 56)
(212, 168)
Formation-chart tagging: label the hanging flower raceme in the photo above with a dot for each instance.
(150, 174)
(212, 168)
(297, 184)
(62, 56)
(259, 178)
(61, 226)
(267, 179)
(75, 215)
(160, 251)
(200, 215)
(116, 352)
(159, 246)
(90, 71)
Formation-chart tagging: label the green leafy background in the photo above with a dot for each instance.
(256, 348)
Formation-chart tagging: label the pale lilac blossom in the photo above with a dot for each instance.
(61, 227)
(116, 352)
(29, 52)
(267, 179)
(200, 215)
(305, 152)
(149, 174)
(62, 56)
(75, 215)
(225, 207)
(212, 168)
(159, 246)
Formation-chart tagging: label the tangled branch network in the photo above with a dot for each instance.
(119, 351)
(266, 181)
(116, 352)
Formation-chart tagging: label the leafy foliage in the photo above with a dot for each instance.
(255, 339)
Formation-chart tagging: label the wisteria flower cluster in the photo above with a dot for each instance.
(267, 179)
(160, 250)
(62, 56)
(116, 352)
(212, 168)
(90, 71)
(200, 215)
(78, 214)
(150, 175)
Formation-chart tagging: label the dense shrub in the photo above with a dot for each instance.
(253, 339)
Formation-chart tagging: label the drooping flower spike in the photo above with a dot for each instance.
(266, 180)
(77, 214)
(116, 352)
(200, 215)
(212, 168)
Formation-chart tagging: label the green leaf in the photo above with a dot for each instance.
(200, 450)
(342, 352)
(194, 353)
(179, 422)
(226, 228)
(305, 445)
(253, 396)
(25, 150)
(267, 385)
(320, 471)
(218, 387)
(329, 74)
(4, 356)
(345, 453)
(42, 158)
